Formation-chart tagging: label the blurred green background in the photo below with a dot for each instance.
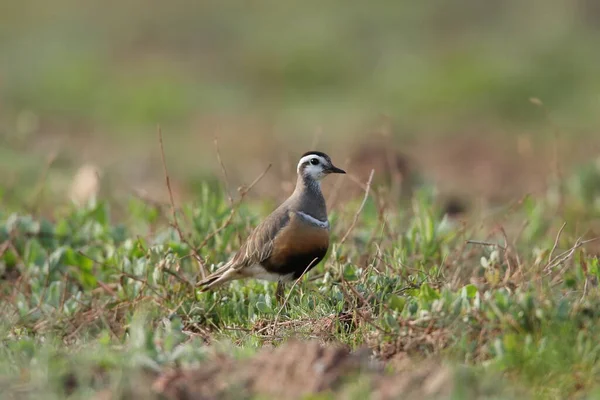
(88, 82)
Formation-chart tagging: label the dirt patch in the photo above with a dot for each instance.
(297, 369)
(412, 380)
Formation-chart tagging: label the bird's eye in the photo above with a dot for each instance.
(314, 161)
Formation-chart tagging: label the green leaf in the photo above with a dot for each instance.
(83, 264)
(510, 342)
(396, 302)
(54, 293)
(263, 307)
(27, 224)
(502, 300)
(10, 259)
(391, 321)
(100, 213)
(34, 253)
(12, 221)
(47, 236)
(469, 291)
(62, 228)
(428, 293)
(69, 257)
(88, 280)
(413, 308)
(119, 234)
(571, 282)
(56, 259)
(563, 310)
(593, 266)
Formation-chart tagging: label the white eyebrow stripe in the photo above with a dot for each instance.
(313, 220)
(308, 157)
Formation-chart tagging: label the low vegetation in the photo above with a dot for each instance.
(499, 304)
(418, 298)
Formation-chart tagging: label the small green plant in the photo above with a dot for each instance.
(82, 290)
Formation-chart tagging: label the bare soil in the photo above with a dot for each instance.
(300, 368)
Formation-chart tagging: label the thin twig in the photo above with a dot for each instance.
(362, 204)
(243, 193)
(357, 295)
(246, 190)
(126, 274)
(41, 184)
(225, 176)
(585, 289)
(507, 253)
(175, 224)
(144, 197)
(564, 256)
(480, 243)
(332, 198)
(179, 277)
(293, 286)
(555, 243)
(168, 182)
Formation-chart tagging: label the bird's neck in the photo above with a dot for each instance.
(307, 184)
(308, 196)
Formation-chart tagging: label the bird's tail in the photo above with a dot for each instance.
(217, 278)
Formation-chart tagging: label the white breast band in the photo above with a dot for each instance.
(313, 220)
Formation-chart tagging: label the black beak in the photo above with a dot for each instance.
(335, 170)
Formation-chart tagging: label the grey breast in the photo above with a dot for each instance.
(309, 201)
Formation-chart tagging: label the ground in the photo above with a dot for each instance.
(467, 267)
(412, 300)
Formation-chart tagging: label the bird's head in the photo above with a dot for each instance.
(315, 165)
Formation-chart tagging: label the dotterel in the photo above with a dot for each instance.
(292, 239)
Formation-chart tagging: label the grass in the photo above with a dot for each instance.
(99, 298)
(91, 304)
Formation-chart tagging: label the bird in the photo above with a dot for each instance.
(289, 242)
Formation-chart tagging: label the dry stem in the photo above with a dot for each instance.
(362, 204)
(175, 224)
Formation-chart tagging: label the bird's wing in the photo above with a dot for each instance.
(259, 245)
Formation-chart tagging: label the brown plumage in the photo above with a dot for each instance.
(292, 239)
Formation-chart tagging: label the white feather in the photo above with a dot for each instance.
(257, 271)
(313, 220)
(314, 171)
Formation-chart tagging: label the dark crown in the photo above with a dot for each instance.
(316, 153)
